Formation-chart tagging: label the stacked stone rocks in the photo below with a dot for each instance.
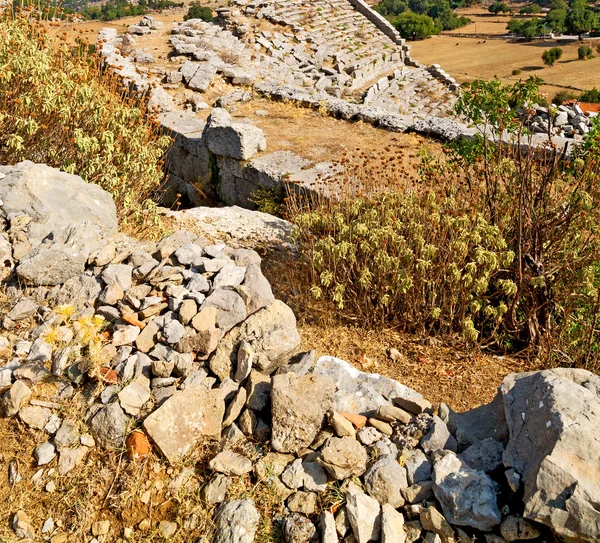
(196, 346)
(567, 120)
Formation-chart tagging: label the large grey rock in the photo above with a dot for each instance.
(237, 522)
(53, 199)
(299, 405)
(485, 455)
(479, 423)
(467, 496)
(178, 424)
(14, 398)
(392, 525)
(553, 418)
(344, 457)
(227, 138)
(109, 426)
(231, 309)
(364, 514)
(359, 392)
(385, 480)
(418, 466)
(271, 334)
(61, 256)
(438, 437)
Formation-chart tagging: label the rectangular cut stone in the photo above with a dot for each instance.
(183, 419)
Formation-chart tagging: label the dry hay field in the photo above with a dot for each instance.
(467, 59)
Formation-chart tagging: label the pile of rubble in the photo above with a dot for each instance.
(567, 120)
(184, 341)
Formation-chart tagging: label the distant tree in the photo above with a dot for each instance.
(580, 18)
(555, 20)
(528, 28)
(391, 7)
(550, 56)
(414, 26)
(499, 7)
(198, 11)
(530, 9)
(585, 53)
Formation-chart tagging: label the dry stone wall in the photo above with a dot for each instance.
(197, 347)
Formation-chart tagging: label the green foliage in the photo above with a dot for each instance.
(198, 11)
(591, 96)
(516, 72)
(563, 96)
(550, 56)
(581, 19)
(63, 110)
(498, 242)
(391, 7)
(530, 9)
(584, 52)
(528, 28)
(413, 26)
(441, 11)
(268, 201)
(415, 258)
(556, 20)
(499, 7)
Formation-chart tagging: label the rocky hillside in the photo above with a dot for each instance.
(175, 345)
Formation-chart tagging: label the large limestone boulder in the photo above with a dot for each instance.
(359, 392)
(299, 406)
(467, 496)
(53, 199)
(177, 425)
(553, 418)
(270, 332)
(62, 256)
(231, 139)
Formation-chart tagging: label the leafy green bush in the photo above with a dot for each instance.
(413, 26)
(198, 11)
(64, 110)
(591, 96)
(563, 96)
(530, 9)
(584, 52)
(498, 242)
(516, 72)
(415, 259)
(499, 7)
(550, 56)
(528, 28)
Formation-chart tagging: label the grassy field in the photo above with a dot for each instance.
(467, 59)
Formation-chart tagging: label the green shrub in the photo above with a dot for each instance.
(198, 11)
(563, 96)
(63, 109)
(591, 96)
(550, 56)
(516, 72)
(584, 52)
(498, 242)
(413, 26)
(530, 9)
(415, 259)
(499, 7)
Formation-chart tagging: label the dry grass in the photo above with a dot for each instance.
(441, 369)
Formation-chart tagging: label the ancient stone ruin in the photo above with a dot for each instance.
(195, 346)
